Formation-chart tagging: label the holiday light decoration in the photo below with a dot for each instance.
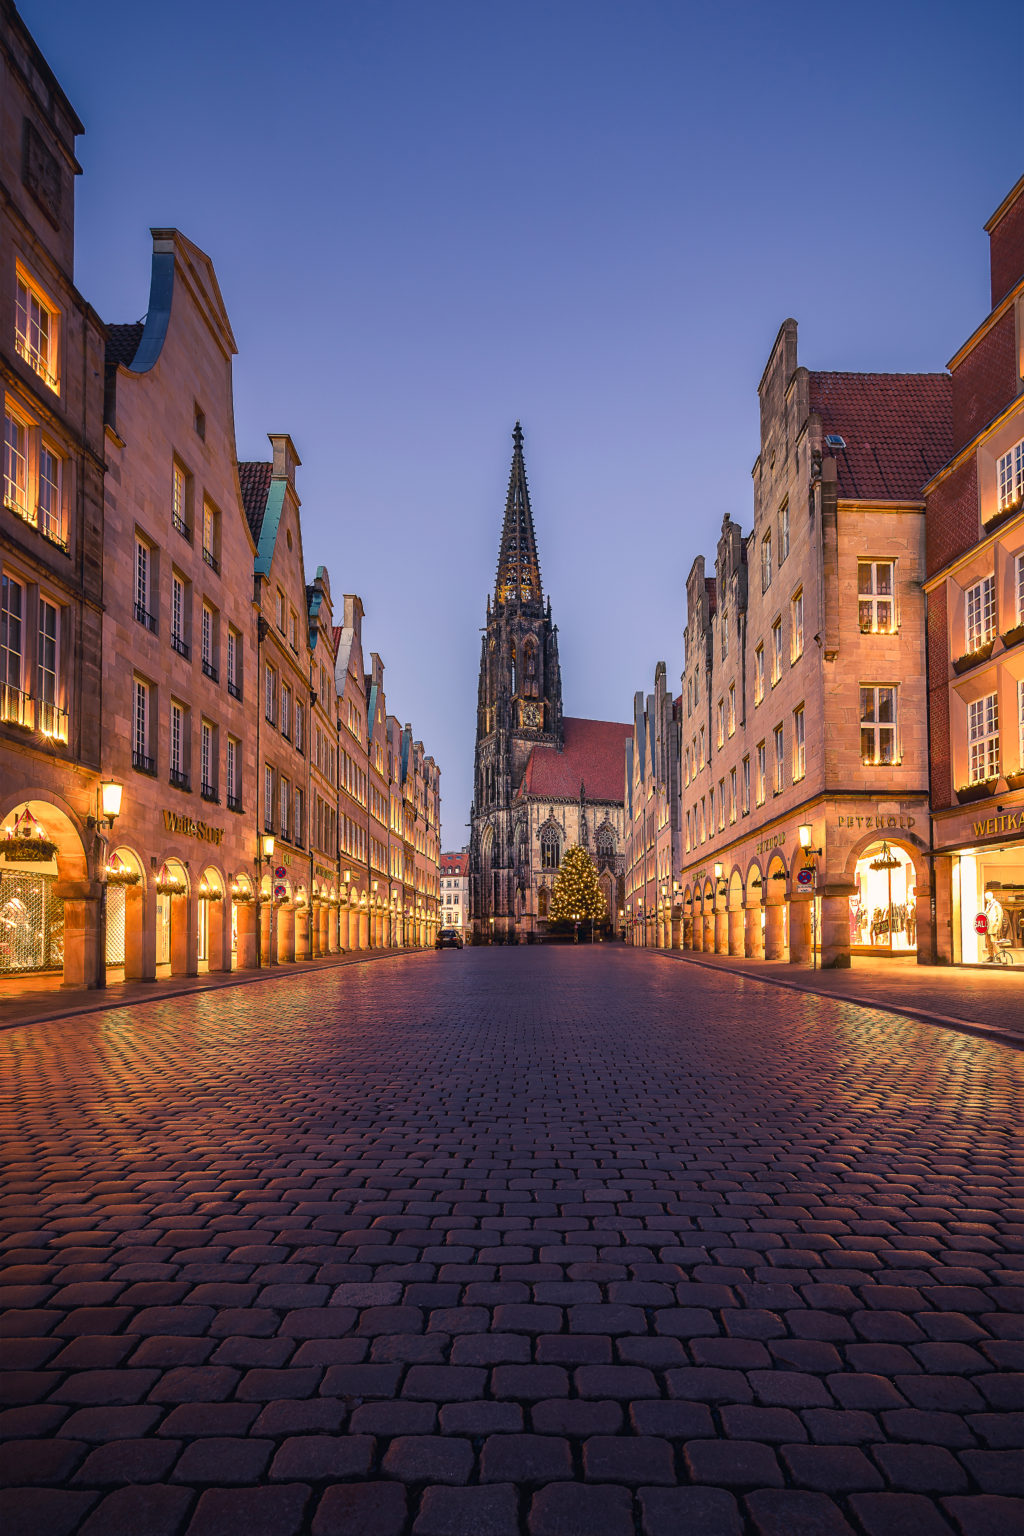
(576, 895)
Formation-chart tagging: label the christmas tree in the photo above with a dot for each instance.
(576, 893)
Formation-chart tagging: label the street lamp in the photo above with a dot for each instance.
(264, 855)
(805, 832)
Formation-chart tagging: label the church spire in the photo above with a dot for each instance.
(518, 578)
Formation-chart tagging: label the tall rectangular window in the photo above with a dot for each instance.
(180, 500)
(1020, 721)
(270, 694)
(1010, 469)
(234, 663)
(703, 757)
(285, 807)
(733, 798)
(721, 722)
(745, 781)
(286, 710)
(983, 738)
(51, 504)
(799, 745)
(878, 723)
(723, 620)
(711, 811)
(268, 798)
(232, 773)
(796, 626)
(207, 761)
(980, 613)
(143, 585)
(766, 562)
(1019, 585)
(761, 782)
(721, 804)
(299, 816)
(16, 467)
(13, 699)
(141, 704)
(179, 745)
(211, 536)
(51, 720)
(732, 709)
(35, 331)
(876, 606)
(776, 652)
(178, 615)
(210, 642)
(780, 760)
(759, 674)
(784, 531)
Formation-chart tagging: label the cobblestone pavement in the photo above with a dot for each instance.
(991, 996)
(542, 1240)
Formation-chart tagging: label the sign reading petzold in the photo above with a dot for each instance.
(187, 826)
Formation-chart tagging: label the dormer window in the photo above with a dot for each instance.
(36, 327)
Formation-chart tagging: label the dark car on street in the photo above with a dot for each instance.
(448, 938)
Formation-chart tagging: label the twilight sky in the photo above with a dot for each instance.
(430, 219)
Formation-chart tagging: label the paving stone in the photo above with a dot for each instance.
(361, 1509)
(835, 1469)
(671, 1511)
(156, 1510)
(525, 1459)
(899, 1514)
(920, 1468)
(468, 1512)
(318, 1458)
(218, 1459)
(123, 1462)
(254, 1511)
(567, 1509)
(429, 1459)
(570, 1416)
(985, 1514)
(732, 1463)
(793, 1512)
(44, 1511)
(629, 1459)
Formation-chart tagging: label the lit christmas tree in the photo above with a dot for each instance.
(576, 893)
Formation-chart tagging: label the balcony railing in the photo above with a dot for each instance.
(179, 779)
(15, 706)
(35, 359)
(20, 508)
(145, 618)
(52, 721)
(209, 670)
(234, 802)
(209, 792)
(183, 528)
(235, 689)
(52, 529)
(143, 763)
(211, 559)
(179, 645)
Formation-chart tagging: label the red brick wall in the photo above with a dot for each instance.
(985, 381)
(952, 520)
(938, 700)
(1006, 250)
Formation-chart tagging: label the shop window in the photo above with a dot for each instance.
(31, 922)
(780, 759)
(799, 745)
(876, 605)
(1010, 472)
(759, 674)
(36, 328)
(980, 613)
(796, 626)
(878, 724)
(181, 499)
(883, 910)
(989, 885)
(983, 738)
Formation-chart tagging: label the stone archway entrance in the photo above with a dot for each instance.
(49, 905)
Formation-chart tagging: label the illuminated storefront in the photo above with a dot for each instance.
(883, 910)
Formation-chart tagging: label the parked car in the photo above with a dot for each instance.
(448, 938)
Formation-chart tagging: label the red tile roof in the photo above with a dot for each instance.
(592, 752)
(123, 343)
(897, 428)
(254, 477)
(454, 863)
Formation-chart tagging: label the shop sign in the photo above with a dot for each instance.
(768, 843)
(885, 822)
(1009, 821)
(323, 874)
(981, 923)
(187, 826)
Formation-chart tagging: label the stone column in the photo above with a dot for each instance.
(709, 932)
(736, 944)
(925, 936)
(84, 962)
(775, 931)
(246, 952)
(364, 928)
(800, 916)
(286, 934)
(697, 934)
(835, 928)
(268, 931)
(753, 939)
(303, 920)
(139, 934)
(184, 935)
(721, 933)
(219, 935)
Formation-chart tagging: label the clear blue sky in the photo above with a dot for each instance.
(429, 219)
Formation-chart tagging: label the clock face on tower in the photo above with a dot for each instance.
(531, 715)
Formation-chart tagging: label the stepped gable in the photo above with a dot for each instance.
(897, 428)
(591, 753)
(254, 478)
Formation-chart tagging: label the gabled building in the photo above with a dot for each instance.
(652, 912)
(975, 588)
(542, 782)
(453, 899)
(353, 783)
(322, 792)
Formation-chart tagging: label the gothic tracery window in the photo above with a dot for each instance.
(550, 849)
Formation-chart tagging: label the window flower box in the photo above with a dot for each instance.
(1015, 780)
(973, 658)
(170, 886)
(1003, 515)
(968, 793)
(27, 850)
(1013, 636)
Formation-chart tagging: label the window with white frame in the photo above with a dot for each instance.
(16, 466)
(780, 759)
(141, 716)
(732, 709)
(980, 613)
(761, 782)
(210, 641)
(776, 652)
(745, 781)
(51, 719)
(878, 723)
(51, 504)
(234, 663)
(766, 562)
(1010, 472)
(144, 585)
(300, 727)
(270, 694)
(36, 327)
(268, 798)
(721, 805)
(759, 674)
(286, 710)
(796, 626)
(285, 806)
(1020, 589)
(181, 499)
(207, 761)
(983, 738)
(13, 698)
(721, 722)
(784, 531)
(211, 536)
(876, 604)
(233, 773)
(1020, 721)
(179, 745)
(799, 745)
(733, 796)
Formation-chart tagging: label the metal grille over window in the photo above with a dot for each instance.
(31, 923)
(116, 899)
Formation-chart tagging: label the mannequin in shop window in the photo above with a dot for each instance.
(996, 929)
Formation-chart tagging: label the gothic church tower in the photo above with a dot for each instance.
(519, 704)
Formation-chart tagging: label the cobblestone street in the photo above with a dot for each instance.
(565, 1242)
